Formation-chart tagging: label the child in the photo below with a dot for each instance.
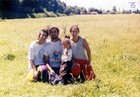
(66, 59)
(67, 51)
(35, 56)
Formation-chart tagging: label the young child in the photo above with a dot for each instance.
(35, 56)
(67, 51)
(66, 60)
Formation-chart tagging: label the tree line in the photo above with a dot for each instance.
(10, 9)
(25, 8)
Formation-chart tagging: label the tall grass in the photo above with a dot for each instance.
(115, 45)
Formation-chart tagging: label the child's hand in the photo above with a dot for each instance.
(52, 71)
(66, 52)
(35, 75)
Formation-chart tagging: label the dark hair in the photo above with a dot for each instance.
(67, 36)
(43, 30)
(53, 28)
(74, 27)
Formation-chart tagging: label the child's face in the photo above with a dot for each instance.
(43, 36)
(66, 45)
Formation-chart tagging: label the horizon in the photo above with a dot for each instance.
(106, 4)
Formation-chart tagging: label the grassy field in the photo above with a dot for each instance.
(115, 44)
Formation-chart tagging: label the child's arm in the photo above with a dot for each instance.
(33, 65)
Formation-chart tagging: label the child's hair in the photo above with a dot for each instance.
(43, 30)
(67, 40)
(67, 36)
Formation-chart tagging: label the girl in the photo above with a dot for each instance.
(80, 49)
(66, 57)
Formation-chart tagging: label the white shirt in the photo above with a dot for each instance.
(36, 52)
(67, 55)
(78, 51)
(54, 51)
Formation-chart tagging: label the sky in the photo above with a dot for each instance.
(105, 4)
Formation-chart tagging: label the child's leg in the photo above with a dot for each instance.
(42, 73)
(65, 70)
(35, 75)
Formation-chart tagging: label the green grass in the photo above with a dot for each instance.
(115, 45)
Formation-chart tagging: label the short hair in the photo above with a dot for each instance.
(43, 30)
(54, 27)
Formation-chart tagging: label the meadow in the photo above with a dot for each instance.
(114, 41)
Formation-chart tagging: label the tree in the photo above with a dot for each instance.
(76, 10)
(8, 8)
(61, 7)
(25, 8)
(91, 9)
(68, 10)
(83, 10)
(114, 9)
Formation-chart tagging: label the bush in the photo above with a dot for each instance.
(9, 56)
(50, 14)
(60, 15)
(39, 15)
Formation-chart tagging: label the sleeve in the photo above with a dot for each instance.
(31, 53)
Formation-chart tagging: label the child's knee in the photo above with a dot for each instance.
(39, 69)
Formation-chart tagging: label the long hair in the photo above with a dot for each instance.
(74, 27)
